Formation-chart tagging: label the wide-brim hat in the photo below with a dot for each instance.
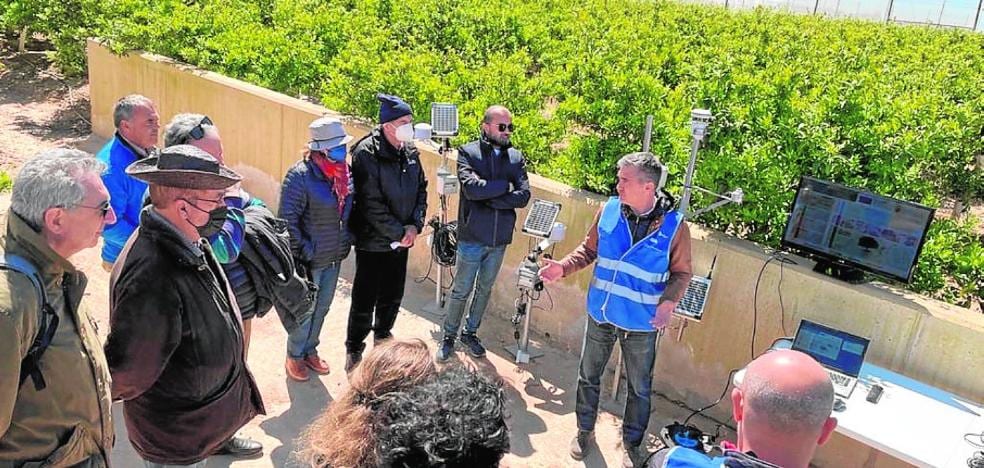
(327, 133)
(184, 166)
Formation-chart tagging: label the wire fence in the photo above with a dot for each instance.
(965, 14)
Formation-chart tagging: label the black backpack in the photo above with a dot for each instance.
(47, 320)
(267, 258)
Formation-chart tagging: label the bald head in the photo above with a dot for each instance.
(783, 407)
(495, 111)
(790, 389)
(497, 126)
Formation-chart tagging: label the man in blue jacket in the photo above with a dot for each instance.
(137, 127)
(493, 185)
(782, 409)
(641, 250)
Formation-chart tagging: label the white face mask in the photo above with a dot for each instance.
(404, 133)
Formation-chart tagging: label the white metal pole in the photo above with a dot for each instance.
(688, 181)
(648, 135)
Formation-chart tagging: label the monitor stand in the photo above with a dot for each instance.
(842, 272)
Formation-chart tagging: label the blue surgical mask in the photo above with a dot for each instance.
(337, 153)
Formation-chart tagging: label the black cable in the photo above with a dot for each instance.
(968, 437)
(444, 243)
(426, 276)
(444, 248)
(549, 297)
(782, 308)
(755, 306)
(783, 260)
(723, 392)
(776, 255)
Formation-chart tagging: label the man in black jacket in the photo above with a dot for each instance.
(175, 350)
(389, 209)
(493, 184)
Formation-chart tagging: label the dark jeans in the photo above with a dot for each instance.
(475, 261)
(638, 355)
(376, 295)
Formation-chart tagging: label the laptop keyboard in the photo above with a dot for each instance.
(839, 379)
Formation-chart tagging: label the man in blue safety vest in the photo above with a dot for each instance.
(641, 250)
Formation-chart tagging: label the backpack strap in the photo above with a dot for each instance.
(47, 319)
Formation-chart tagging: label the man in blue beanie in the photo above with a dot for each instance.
(388, 213)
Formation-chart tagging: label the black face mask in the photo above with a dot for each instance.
(216, 219)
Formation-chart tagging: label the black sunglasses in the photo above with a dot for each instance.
(198, 132)
(103, 208)
(504, 127)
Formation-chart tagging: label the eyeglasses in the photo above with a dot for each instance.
(103, 208)
(504, 127)
(198, 132)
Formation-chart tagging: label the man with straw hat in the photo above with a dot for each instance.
(175, 346)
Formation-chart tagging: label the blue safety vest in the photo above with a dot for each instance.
(629, 278)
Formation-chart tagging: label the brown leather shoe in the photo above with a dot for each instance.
(297, 369)
(318, 365)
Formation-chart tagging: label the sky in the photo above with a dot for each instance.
(950, 12)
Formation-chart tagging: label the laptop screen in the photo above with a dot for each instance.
(835, 349)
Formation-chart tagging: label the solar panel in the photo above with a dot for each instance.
(692, 304)
(540, 218)
(444, 119)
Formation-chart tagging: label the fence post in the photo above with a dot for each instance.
(978, 15)
(888, 16)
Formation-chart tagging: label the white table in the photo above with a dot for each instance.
(914, 422)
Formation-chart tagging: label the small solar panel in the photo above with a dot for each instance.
(541, 217)
(444, 119)
(692, 304)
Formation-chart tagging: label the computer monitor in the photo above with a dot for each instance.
(856, 228)
(832, 348)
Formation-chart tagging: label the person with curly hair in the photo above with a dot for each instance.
(454, 419)
(345, 435)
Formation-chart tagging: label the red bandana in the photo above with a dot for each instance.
(337, 172)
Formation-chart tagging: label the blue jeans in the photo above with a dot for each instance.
(304, 340)
(474, 261)
(638, 355)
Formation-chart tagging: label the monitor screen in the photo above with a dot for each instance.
(857, 228)
(832, 348)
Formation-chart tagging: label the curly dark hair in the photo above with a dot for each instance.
(454, 419)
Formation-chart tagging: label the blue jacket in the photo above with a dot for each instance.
(126, 195)
(682, 457)
(226, 246)
(318, 234)
(492, 187)
(629, 278)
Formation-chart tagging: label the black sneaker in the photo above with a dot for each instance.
(446, 350)
(473, 345)
(633, 455)
(579, 445)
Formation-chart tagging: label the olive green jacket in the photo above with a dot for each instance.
(69, 422)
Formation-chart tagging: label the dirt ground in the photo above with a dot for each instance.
(39, 109)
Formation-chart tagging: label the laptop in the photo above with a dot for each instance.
(841, 353)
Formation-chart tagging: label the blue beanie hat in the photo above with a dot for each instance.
(391, 108)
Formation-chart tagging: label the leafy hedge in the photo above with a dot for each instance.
(898, 110)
